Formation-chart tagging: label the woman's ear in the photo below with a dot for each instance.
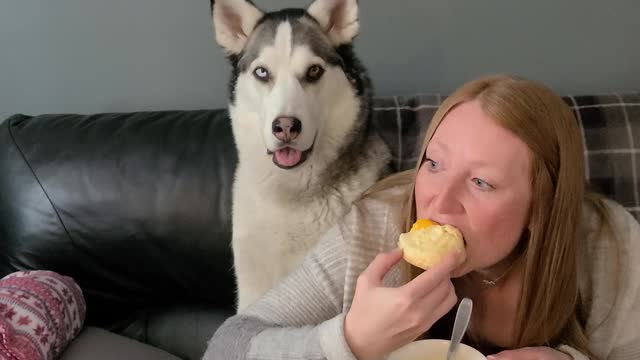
(338, 18)
(233, 22)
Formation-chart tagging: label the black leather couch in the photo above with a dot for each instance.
(135, 207)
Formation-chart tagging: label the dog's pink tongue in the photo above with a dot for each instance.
(288, 156)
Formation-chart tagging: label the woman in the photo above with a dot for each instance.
(552, 270)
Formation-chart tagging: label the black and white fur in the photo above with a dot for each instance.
(300, 104)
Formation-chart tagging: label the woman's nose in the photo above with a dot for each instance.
(446, 200)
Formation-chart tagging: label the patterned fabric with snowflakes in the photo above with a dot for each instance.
(40, 313)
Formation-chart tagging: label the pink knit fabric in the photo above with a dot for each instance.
(40, 313)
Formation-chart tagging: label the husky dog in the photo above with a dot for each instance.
(300, 106)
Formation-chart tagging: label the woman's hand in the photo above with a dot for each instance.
(382, 319)
(531, 353)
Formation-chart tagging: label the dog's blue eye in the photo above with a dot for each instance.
(261, 73)
(314, 73)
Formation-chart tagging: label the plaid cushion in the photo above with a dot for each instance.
(610, 126)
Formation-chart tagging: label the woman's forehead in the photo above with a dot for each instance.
(469, 132)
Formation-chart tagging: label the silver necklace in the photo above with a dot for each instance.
(493, 282)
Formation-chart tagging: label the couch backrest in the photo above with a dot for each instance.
(136, 207)
(610, 127)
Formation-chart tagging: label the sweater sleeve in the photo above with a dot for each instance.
(300, 318)
(626, 340)
(575, 354)
(614, 318)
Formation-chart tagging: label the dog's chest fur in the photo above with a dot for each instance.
(272, 235)
(288, 228)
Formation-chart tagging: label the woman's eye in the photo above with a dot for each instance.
(483, 185)
(261, 74)
(431, 165)
(314, 73)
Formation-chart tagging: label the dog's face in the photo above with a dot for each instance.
(289, 82)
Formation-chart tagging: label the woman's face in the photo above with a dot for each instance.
(476, 176)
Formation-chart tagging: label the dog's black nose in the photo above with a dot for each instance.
(286, 128)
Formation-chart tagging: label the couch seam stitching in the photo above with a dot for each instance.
(24, 158)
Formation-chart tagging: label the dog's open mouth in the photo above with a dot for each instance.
(288, 158)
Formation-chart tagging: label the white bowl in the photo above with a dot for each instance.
(433, 349)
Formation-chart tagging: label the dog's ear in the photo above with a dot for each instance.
(338, 18)
(233, 21)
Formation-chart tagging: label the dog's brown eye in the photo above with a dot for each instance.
(314, 73)
(261, 74)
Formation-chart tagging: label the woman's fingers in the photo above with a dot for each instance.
(439, 294)
(426, 282)
(379, 267)
(382, 319)
(439, 303)
(446, 303)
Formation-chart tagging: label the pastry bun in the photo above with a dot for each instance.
(428, 243)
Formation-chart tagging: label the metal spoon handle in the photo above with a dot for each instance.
(460, 325)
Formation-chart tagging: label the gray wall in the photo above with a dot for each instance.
(125, 55)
